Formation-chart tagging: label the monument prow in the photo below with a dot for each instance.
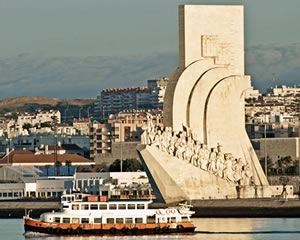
(203, 152)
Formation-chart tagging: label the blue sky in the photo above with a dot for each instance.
(74, 48)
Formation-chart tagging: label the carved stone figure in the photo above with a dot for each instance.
(237, 168)
(212, 161)
(228, 173)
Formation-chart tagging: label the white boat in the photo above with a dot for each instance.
(86, 214)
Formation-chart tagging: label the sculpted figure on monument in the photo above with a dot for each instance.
(212, 160)
(173, 141)
(247, 175)
(150, 125)
(164, 141)
(156, 142)
(182, 146)
(220, 164)
(228, 173)
(237, 168)
(196, 157)
(189, 150)
(145, 135)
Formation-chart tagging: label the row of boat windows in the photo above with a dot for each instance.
(106, 206)
(150, 219)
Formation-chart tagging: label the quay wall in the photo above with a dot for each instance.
(276, 207)
(17, 208)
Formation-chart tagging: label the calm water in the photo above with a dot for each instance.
(218, 228)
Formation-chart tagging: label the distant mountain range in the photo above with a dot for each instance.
(83, 77)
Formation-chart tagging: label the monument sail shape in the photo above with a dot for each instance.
(204, 151)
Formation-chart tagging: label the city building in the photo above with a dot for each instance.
(121, 185)
(42, 164)
(115, 100)
(277, 112)
(36, 140)
(284, 90)
(42, 188)
(118, 137)
(277, 148)
(112, 184)
(36, 119)
(82, 125)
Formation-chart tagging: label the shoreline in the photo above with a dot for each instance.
(239, 208)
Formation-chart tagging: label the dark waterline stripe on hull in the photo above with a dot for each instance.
(107, 232)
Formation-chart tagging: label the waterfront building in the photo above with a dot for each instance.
(34, 140)
(113, 184)
(45, 163)
(41, 188)
(122, 185)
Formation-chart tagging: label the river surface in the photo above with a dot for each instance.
(207, 228)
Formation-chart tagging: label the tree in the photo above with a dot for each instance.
(27, 126)
(45, 124)
(129, 165)
(47, 169)
(68, 164)
(57, 165)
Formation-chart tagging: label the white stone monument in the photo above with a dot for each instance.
(204, 110)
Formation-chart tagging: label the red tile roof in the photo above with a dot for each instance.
(25, 157)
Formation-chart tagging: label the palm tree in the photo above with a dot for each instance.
(57, 165)
(68, 164)
(47, 169)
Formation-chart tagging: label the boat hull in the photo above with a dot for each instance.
(31, 225)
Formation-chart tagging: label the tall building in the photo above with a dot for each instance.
(115, 100)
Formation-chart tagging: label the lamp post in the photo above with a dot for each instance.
(265, 144)
(299, 139)
(66, 114)
(79, 115)
(265, 152)
(120, 135)
(88, 112)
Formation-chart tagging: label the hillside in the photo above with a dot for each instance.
(22, 101)
(69, 108)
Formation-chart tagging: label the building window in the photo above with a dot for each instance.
(151, 219)
(94, 206)
(119, 220)
(138, 220)
(140, 206)
(122, 206)
(112, 206)
(84, 207)
(75, 207)
(128, 220)
(131, 206)
(110, 220)
(103, 207)
(84, 220)
(75, 220)
(66, 220)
